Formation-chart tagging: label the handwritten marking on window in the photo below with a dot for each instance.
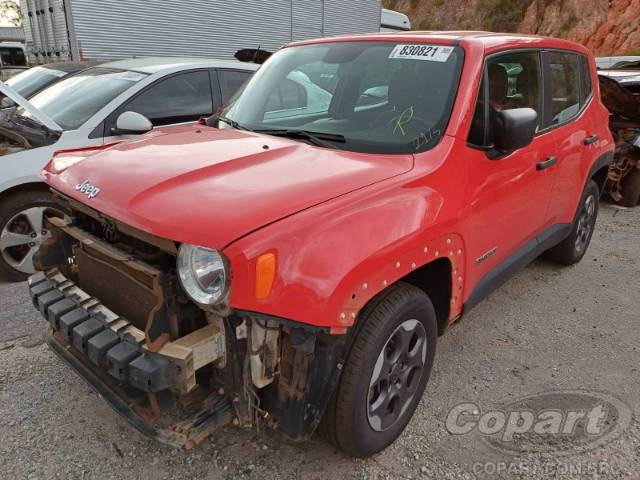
(405, 117)
(425, 137)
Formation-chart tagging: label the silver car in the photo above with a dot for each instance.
(97, 106)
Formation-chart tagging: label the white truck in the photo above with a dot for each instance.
(109, 30)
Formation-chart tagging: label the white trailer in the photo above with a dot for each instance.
(61, 30)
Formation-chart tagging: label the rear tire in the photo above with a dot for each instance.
(631, 189)
(22, 231)
(385, 373)
(572, 249)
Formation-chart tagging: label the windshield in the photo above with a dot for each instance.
(75, 99)
(33, 80)
(377, 97)
(12, 57)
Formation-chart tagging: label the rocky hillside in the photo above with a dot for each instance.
(609, 27)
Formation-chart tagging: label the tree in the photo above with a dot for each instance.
(10, 12)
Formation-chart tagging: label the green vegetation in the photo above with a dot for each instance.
(390, 4)
(10, 13)
(430, 23)
(570, 22)
(503, 15)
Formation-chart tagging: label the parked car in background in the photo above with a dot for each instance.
(625, 72)
(87, 109)
(604, 63)
(293, 266)
(13, 59)
(31, 81)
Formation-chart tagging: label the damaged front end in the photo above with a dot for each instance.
(176, 370)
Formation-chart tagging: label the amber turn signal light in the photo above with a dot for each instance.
(265, 274)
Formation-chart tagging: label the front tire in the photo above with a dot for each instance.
(572, 249)
(22, 231)
(385, 373)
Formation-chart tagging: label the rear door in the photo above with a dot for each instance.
(509, 195)
(569, 95)
(231, 81)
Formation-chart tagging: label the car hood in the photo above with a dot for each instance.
(209, 187)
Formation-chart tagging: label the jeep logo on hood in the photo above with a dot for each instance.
(91, 191)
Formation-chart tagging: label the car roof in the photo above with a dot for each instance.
(158, 64)
(489, 41)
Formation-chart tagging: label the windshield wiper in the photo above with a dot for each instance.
(320, 139)
(230, 122)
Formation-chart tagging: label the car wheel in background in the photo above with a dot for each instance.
(22, 231)
(631, 189)
(385, 373)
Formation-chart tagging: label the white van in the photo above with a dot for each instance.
(392, 21)
(13, 59)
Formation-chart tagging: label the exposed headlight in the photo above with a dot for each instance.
(202, 273)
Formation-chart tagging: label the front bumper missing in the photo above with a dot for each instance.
(110, 354)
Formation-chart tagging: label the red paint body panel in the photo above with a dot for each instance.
(210, 186)
(345, 225)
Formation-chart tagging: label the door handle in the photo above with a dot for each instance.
(591, 139)
(549, 162)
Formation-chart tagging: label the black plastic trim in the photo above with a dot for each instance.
(520, 259)
(113, 400)
(603, 161)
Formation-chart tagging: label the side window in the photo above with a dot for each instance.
(585, 79)
(565, 89)
(513, 82)
(182, 98)
(230, 82)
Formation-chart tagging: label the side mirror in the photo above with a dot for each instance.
(132, 123)
(513, 129)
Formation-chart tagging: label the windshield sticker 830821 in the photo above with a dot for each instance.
(432, 53)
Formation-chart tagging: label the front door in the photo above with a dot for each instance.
(509, 196)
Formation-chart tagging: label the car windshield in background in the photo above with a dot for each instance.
(75, 99)
(30, 81)
(374, 97)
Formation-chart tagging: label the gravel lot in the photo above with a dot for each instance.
(548, 329)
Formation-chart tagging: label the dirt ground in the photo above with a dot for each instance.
(549, 329)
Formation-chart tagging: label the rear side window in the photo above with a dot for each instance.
(585, 78)
(181, 98)
(511, 80)
(564, 77)
(230, 82)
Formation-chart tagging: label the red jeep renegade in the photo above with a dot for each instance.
(292, 260)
